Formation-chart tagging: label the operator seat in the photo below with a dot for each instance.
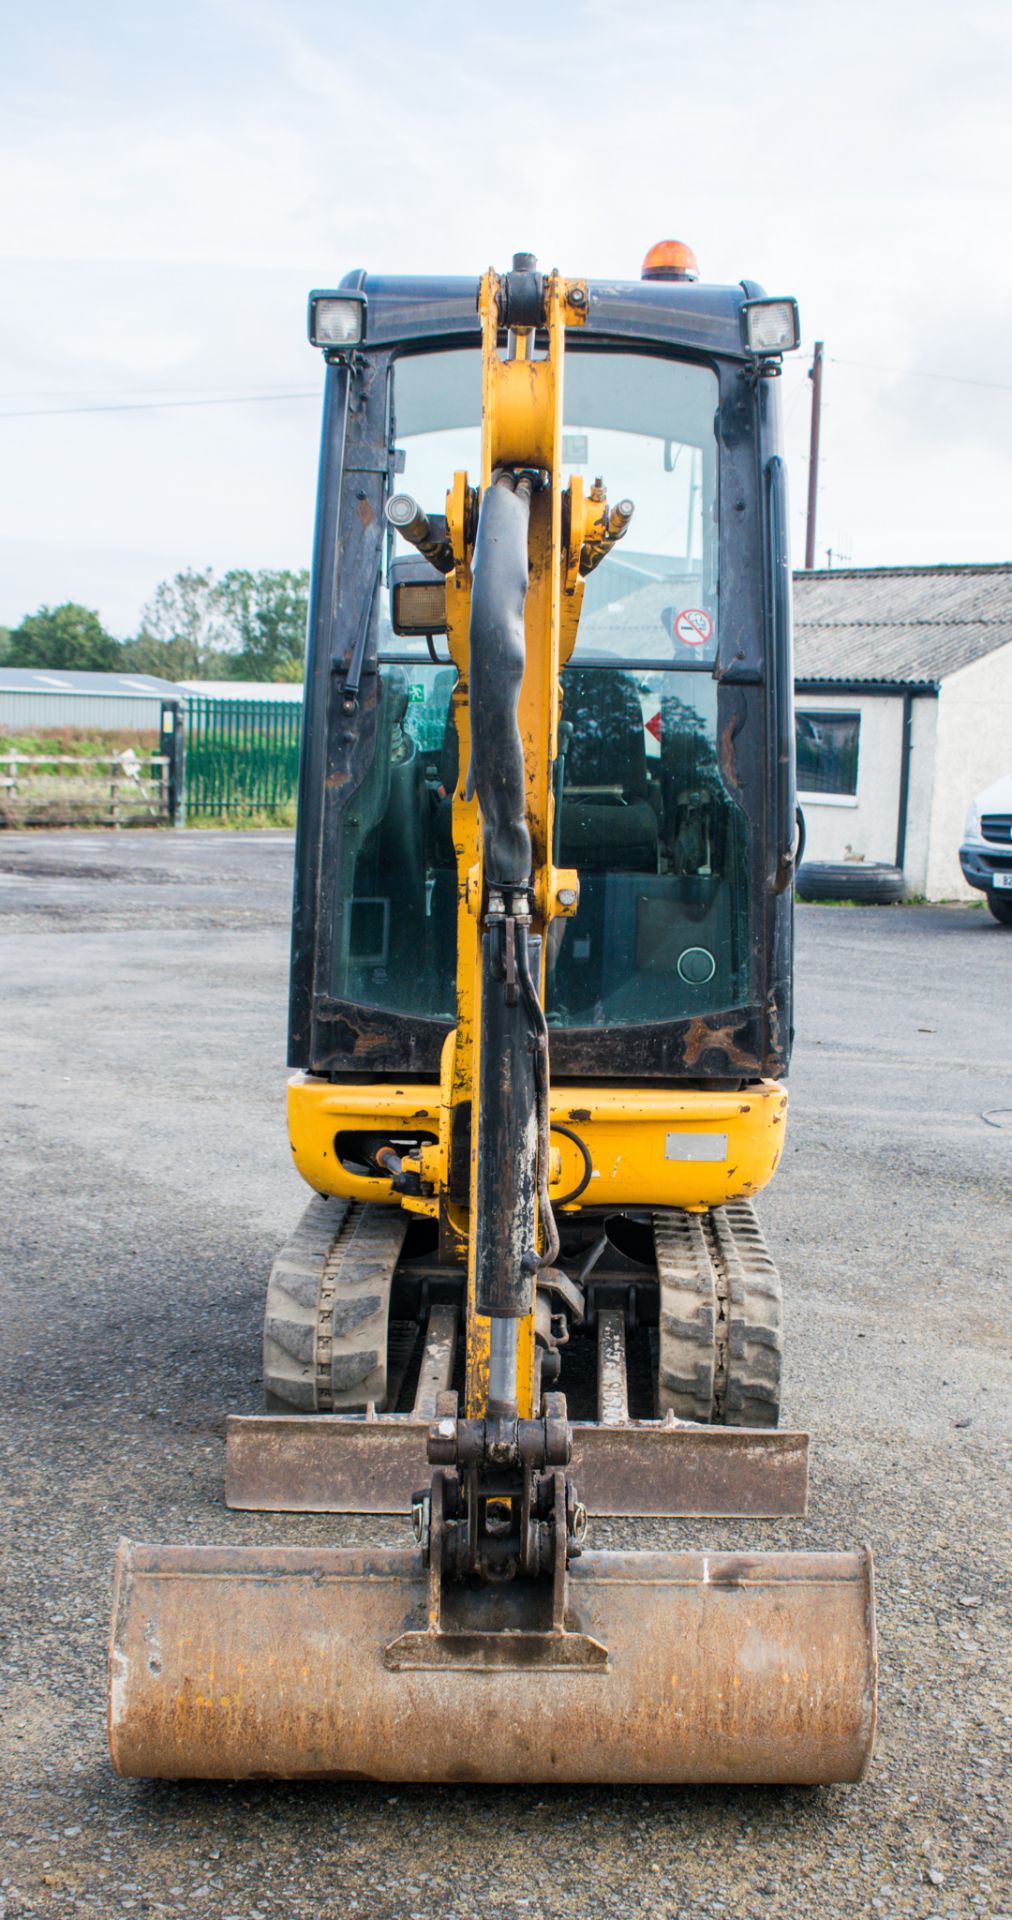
(607, 821)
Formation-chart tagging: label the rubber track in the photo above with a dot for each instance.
(720, 1318)
(754, 1340)
(687, 1316)
(328, 1306)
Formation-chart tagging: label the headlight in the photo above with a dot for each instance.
(336, 319)
(971, 831)
(770, 326)
(417, 595)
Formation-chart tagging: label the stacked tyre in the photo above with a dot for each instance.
(871, 883)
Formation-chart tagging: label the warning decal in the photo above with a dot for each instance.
(693, 627)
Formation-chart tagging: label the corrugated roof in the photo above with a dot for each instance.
(905, 624)
(110, 686)
(244, 689)
(910, 626)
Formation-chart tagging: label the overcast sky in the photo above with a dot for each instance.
(173, 180)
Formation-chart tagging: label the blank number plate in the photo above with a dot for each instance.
(695, 1146)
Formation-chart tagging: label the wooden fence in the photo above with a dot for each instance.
(114, 790)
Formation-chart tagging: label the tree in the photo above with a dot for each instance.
(69, 636)
(246, 626)
(172, 659)
(265, 617)
(293, 671)
(183, 629)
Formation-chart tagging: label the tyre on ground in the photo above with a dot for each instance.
(874, 884)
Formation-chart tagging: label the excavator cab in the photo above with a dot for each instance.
(540, 1016)
(672, 779)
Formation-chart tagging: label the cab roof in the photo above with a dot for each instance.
(671, 313)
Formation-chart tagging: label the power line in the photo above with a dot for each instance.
(233, 397)
(120, 391)
(921, 373)
(147, 406)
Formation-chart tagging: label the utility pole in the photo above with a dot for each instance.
(815, 376)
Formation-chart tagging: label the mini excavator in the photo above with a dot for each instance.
(540, 1019)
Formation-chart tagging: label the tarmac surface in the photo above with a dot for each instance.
(147, 1184)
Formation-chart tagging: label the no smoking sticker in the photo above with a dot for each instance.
(693, 627)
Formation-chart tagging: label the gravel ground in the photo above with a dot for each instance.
(147, 1186)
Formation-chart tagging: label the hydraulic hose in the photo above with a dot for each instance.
(565, 1199)
(498, 655)
(549, 1229)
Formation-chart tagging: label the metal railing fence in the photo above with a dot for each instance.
(242, 756)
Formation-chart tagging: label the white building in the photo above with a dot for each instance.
(903, 689)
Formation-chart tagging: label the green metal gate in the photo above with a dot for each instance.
(242, 756)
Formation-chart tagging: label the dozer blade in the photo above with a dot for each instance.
(298, 1663)
(326, 1463)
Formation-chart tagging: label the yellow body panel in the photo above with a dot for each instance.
(627, 1132)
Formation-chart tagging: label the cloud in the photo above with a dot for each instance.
(171, 185)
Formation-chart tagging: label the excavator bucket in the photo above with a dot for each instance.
(303, 1663)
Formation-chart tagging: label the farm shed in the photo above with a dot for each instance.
(39, 700)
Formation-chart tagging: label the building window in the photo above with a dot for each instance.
(827, 751)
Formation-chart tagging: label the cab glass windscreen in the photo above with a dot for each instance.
(648, 427)
(642, 813)
(435, 432)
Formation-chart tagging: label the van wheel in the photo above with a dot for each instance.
(1000, 904)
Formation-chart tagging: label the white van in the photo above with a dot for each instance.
(986, 853)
